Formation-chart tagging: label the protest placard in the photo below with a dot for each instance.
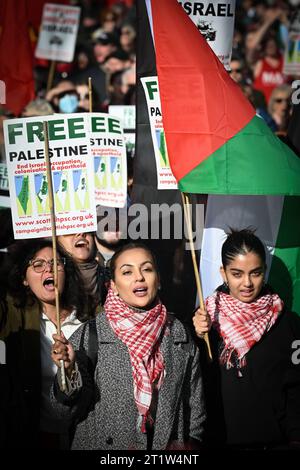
(58, 32)
(126, 114)
(109, 154)
(292, 50)
(72, 175)
(215, 21)
(165, 178)
(4, 187)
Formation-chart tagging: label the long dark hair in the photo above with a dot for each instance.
(73, 295)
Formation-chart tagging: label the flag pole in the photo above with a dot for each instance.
(90, 95)
(187, 215)
(53, 228)
(51, 75)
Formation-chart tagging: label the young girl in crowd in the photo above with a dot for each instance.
(253, 384)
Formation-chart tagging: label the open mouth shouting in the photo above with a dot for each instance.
(48, 283)
(81, 243)
(80, 246)
(140, 291)
(82, 249)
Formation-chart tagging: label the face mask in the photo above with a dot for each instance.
(68, 104)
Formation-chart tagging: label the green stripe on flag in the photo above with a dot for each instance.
(254, 161)
(284, 275)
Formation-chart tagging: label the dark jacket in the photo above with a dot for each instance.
(20, 377)
(263, 405)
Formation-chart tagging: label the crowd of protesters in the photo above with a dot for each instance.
(259, 44)
(105, 51)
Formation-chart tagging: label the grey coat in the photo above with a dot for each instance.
(112, 422)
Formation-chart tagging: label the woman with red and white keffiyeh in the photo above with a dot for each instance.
(144, 390)
(253, 383)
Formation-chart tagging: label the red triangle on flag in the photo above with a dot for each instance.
(202, 107)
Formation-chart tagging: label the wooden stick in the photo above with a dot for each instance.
(187, 214)
(51, 75)
(90, 95)
(53, 227)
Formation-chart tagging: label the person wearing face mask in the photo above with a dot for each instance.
(68, 102)
(63, 97)
(27, 322)
(145, 390)
(253, 384)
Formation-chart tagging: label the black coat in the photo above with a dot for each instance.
(20, 378)
(262, 406)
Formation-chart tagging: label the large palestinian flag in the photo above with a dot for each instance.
(145, 173)
(217, 145)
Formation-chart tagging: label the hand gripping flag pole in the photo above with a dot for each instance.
(187, 215)
(53, 228)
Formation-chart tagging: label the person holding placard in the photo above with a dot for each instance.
(27, 322)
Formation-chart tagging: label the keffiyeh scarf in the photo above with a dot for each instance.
(141, 331)
(241, 325)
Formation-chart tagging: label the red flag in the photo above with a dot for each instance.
(16, 62)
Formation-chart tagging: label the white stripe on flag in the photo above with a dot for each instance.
(260, 212)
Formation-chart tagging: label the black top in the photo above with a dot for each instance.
(261, 406)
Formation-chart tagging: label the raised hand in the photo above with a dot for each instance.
(202, 322)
